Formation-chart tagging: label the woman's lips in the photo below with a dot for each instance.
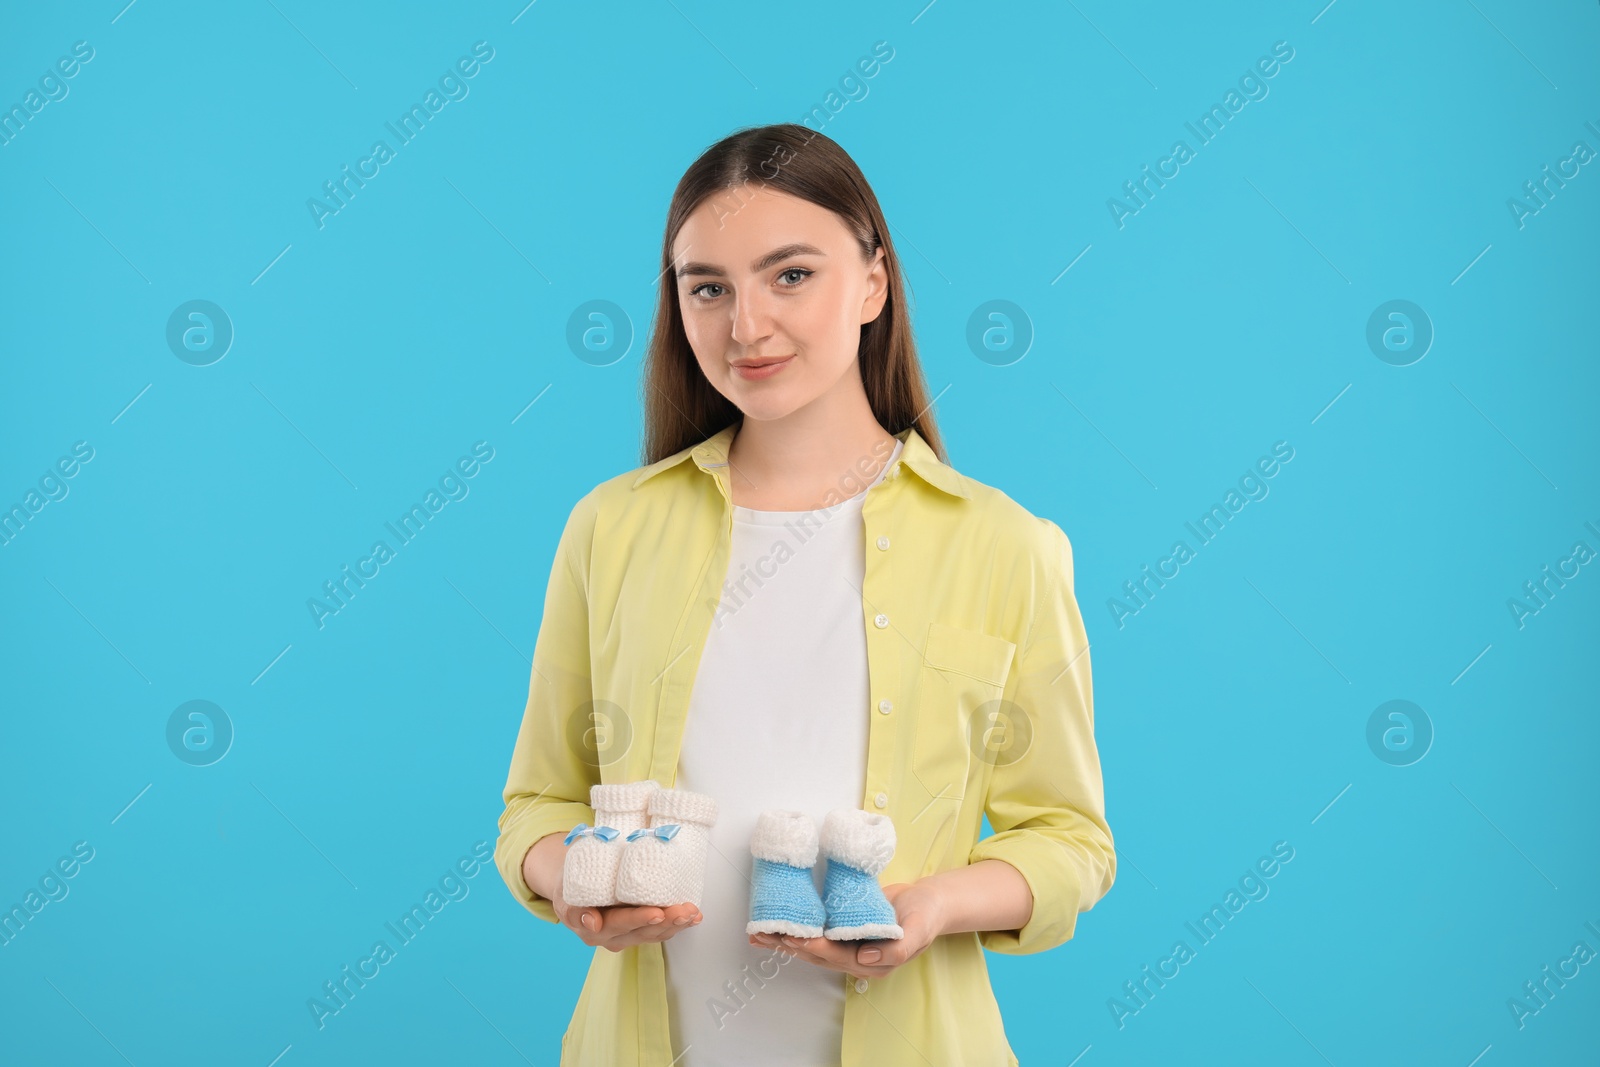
(752, 374)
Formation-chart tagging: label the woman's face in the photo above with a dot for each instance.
(765, 277)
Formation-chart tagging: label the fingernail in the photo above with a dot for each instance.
(870, 956)
(657, 919)
(584, 919)
(681, 920)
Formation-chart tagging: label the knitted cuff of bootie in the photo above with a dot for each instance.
(785, 837)
(682, 807)
(863, 839)
(622, 798)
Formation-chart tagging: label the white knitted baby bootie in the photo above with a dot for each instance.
(665, 863)
(594, 853)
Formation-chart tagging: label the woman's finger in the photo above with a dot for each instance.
(627, 919)
(823, 951)
(627, 925)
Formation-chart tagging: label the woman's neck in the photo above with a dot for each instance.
(776, 468)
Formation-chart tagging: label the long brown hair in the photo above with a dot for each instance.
(681, 408)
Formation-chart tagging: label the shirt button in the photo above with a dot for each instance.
(883, 542)
(886, 706)
(861, 985)
(882, 800)
(881, 621)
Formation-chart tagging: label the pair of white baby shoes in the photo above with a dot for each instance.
(648, 846)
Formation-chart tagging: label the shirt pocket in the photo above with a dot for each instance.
(961, 671)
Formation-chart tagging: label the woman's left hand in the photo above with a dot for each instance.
(919, 913)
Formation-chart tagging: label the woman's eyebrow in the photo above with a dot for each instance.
(777, 255)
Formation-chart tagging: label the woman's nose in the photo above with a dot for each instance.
(752, 318)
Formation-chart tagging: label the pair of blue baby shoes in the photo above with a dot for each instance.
(783, 898)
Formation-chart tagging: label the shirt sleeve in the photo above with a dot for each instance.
(1046, 802)
(547, 790)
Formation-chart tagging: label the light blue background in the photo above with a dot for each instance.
(1228, 314)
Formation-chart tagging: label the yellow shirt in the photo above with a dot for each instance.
(980, 704)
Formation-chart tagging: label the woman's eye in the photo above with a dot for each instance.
(698, 290)
(795, 270)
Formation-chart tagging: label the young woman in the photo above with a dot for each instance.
(797, 604)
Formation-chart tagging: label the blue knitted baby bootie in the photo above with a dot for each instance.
(783, 898)
(859, 845)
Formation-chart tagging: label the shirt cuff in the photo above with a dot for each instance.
(521, 832)
(1047, 867)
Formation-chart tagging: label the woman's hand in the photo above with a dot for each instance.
(919, 911)
(625, 925)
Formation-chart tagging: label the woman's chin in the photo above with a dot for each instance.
(765, 405)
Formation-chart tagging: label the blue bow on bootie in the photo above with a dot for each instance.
(604, 833)
(666, 833)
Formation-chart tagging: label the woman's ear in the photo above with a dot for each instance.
(877, 287)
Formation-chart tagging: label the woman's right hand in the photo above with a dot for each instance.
(625, 925)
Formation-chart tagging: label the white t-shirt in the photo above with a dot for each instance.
(777, 719)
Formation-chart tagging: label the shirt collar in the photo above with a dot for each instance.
(712, 454)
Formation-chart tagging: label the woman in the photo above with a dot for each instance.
(796, 604)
